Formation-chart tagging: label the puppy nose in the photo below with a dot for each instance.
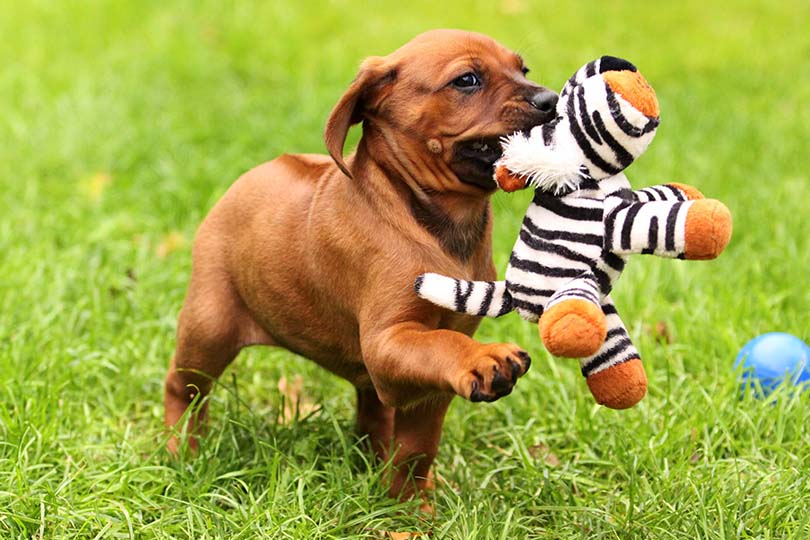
(544, 101)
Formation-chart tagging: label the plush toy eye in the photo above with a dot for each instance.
(468, 81)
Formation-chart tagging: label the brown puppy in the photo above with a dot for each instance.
(319, 255)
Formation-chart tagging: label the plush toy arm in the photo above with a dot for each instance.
(668, 192)
(698, 229)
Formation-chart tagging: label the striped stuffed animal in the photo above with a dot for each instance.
(583, 224)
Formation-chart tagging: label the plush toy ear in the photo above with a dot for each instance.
(350, 109)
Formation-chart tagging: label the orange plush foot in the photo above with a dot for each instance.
(573, 328)
(708, 229)
(620, 386)
(692, 193)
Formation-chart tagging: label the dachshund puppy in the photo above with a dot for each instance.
(318, 254)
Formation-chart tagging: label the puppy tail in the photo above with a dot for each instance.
(481, 298)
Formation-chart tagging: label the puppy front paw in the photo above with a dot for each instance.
(492, 372)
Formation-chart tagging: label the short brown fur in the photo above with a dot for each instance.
(318, 254)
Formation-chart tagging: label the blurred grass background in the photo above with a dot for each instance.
(122, 122)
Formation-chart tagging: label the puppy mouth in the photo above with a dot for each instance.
(486, 150)
(474, 160)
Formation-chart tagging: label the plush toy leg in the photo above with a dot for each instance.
(573, 324)
(707, 229)
(615, 375)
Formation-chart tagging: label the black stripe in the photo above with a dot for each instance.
(537, 268)
(613, 261)
(620, 347)
(629, 221)
(626, 194)
(624, 157)
(588, 183)
(418, 282)
(621, 121)
(613, 332)
(548, 234)
(583, 143)
(557, 249)
(610, 224)
(578, 291)
(486, 304)
(671, 219)
(609, 309)
(585, 118)
(652, 237)
(660, 193)
(462, 296)
(679, 195)
(590, 68)
(548, 131)
(537, 309)
(603, 280)
(508, 304)
(525, 289)
(557, 206)
(652, 123)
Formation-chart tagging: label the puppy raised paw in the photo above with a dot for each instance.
(492, 371)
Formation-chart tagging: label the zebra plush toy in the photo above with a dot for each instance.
(583, 224)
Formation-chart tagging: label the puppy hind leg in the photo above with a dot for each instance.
(211, 330)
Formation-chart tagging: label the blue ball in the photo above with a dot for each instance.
(773, 358)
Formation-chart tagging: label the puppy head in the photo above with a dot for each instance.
(439, 106)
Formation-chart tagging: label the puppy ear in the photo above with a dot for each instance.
(351, 107)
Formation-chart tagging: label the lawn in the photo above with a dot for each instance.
(122, 122)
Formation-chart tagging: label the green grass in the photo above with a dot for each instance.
(121, 123)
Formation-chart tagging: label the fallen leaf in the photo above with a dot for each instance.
(170, 243)
(294, 405)
(660, 333)
(538, 451)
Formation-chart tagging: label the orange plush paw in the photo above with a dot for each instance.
(573, 328)
(508, 181)
(620, 386)
(708, 229)
(692, 193)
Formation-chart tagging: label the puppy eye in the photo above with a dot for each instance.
(468, 81)
(525, 70)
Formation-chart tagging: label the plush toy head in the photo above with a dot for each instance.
(606, 117)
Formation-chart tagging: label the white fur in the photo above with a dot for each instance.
(554, 168)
